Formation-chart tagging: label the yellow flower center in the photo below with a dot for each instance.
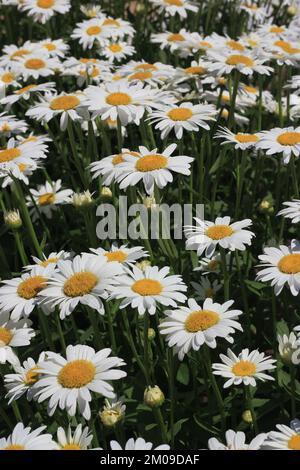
(205, 44)
(71, 447)
(213, 265)
(140, 76)
(201, 320)
(45, 3)
(22, 167)
(238, 59)
(177, 3)
(30, 288)
(145, 67)
(151, 162)
(235, 45)
(176, 37)
(243, 368)
(180, 114)
(294, 442)
(9, 154)
(31, 376)
(115, 48)
(7, 77)
(24, 90)
(46, 199)
(48, 261)
(111, 22)
(85, 60)
(250, 89)
(34, 64)
(80, 284)
(5, 335)
(246, 138)
(118, 99)
(290, 264)
(20, 53)
(50, 46)
(146, 287)
(289, 138)
(76, 374)
(277, 29)
(93, 30)
(118, 255)
(14, 447)
(287, 47)
(64, 103)
(217, 232)
(196, 70)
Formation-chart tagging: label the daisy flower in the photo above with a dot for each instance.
(256, 13)
(117, 27)
(43, 10)
(69, 382)
(84, 280)
(47, 197)
(37, 65)
(25, 92)
(90, 31)
(206, 236)
(289, 348)
(145, 289)
(123, 255)
(11, 125)
(55, 47)
(285, 52)
(80, 439)
(206, 288)
(147, 70)
(21, 381)
(26, 439)
(285, 438)
(8, 77)
(280, 140)
(11, 52)
(173, 7)
(52, 259)
(117, 51)
(188, 328)
(65, 105)
(152, 168)
(281, 266)
(240, 140)
(109, 167)
(291, 211)
(186, 116)
(168, 39)
(20, 295)
(137, 444)
(13, 334)
(212, 265)
(246, 63)
(18, 154)
(118, 100)
(236, 440)
(91, 10)
(244, 368)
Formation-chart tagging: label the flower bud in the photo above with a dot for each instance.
(105, 193)
(247, 416)
(142, 265)
(266, 207)
(292, 10)
(149, 202)
(151, 334)
(82, 200)
(153, 396)
(12, 219)
(112, 413)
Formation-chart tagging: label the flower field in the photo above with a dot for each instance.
(122, 328)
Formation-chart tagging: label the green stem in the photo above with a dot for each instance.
(251, 408)
(225, 274)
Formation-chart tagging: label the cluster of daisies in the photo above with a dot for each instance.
(85, 118)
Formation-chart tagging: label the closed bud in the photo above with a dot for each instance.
(151, 334)
(292, 10)
(149, 202)
(82, 200)
(105, 192)
(247, 416)
(112, 413)
(153, 396)
(142, 265)
(12, 219)
(266, 207)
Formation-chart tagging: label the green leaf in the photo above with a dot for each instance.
(183, 374)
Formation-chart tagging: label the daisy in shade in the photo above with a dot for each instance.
(281, 266)
(84, 280)
(152, 168)
(46, 198)
(186, 117)
(206, 289)
(289, 348)
(291, 211)
(21, 381)
(43, 10)
(123, 255)
(244, 368)
(68, 383)
(223, 62)
(26, 439)
(171, 40)
(280, 140)
(55, 47)
(80, 439)
(145, 289)
(212, 265)
(11, 125)
(285, 438)
(118, 100)
(188, 328)
(240, 140)
(236, 440)
(137, 444)
(91, 11)
(90, 31)
(65, 105)
(256, 13)
(109, 167)
(37, 65)
(173, 7)
(20, 295)
(52, 259)
(206, 236)
(17, 154)
(13, 334)
(117, 51)
(25, 93)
